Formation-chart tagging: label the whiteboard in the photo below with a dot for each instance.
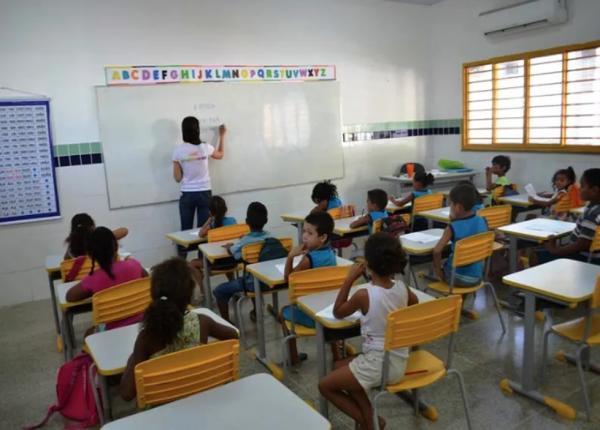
(278, 134)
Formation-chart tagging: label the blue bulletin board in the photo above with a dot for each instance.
(27, 177)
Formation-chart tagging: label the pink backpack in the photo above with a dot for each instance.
(75, 394)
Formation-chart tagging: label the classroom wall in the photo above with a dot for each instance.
(456, 39)
(59, 49)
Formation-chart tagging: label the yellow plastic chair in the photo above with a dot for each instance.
(183, 373)
(302, 284)
(496, 217)
(67, 265)
(228, 232)
(121, 301)
(345, 211)
(595, 245)
(472, 249)
(583, 331)
(414, 326)
(425, 203)
(250, 255)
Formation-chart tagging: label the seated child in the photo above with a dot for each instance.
(348, 386)
(421, 183)
(107, 271)
(500, 165)
(565, 191)
(463, 223)
(82, 226)
(325, 196)
(256, 218)
(580, 240)
(316, 251)
(376, 202)
(168, 324)
(479, 202)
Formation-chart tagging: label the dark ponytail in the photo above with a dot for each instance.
(384, 255)
(171, 289)
(569, 173)
(424, 178)
(218, 209)
(103, 247)
(190, 130)
(82, 226)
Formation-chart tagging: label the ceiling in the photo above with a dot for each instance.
(424, 2)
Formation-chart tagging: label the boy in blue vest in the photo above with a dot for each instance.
(376, 202)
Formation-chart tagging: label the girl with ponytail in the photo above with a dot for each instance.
(107, 271)
(564, 197)
(348, 386)
(82, 226)
(168, 324)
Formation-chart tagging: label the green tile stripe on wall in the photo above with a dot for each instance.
(86, 148)
(401, 125)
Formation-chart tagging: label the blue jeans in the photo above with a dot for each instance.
(192, 203)
(224, 292)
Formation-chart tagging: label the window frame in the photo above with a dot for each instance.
(526, 146)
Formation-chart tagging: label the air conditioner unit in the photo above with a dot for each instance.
(524, 15)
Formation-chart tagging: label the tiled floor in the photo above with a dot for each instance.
(29, 361)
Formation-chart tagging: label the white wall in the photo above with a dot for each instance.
(59, 48)
(456, 39)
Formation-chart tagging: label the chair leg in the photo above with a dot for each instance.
(547, 334)
(240, 319)
(582, 378)
(416, 401)
(493, 291)
(285, 353)
(375, 411)
(463, 393)
(99, 408)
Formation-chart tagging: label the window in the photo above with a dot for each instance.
(537, 101)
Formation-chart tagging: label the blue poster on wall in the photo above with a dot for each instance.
(27, 178)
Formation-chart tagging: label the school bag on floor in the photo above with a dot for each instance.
(75, 394)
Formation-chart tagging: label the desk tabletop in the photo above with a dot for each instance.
(61, 289)
(215, 250)
(342, 226)
(421, 242)
(446, 191)
(186, 237)
(298, 216)
(256, 402)
(538, 229)
(315, 303)
(441, 214)
(521, 200)
(566, 280)
(271, 272)
(438, 175)
(111, 349)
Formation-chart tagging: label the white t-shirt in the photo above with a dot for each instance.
(194, 163)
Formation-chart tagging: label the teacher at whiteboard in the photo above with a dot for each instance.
(190, 169)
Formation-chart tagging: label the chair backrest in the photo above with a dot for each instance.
(317, 280)
(473, 249)
(422, 323)
(564, 204)
(377, 224)
(228, 232)
(67, 265)
(251, 251)
(595, 303)
(186, 372)
(428, 202)
(595, 245)
(345, 211)
(121, 301)
(496, 216)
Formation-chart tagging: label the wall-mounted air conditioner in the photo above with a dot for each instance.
(524, 15)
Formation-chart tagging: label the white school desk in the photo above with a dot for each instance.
(256, 402)
(418, 244)
(533, 230)
(519, 200)
(186, 238)
(111, 349)
(53, 272)
(342, 227)
(68, 309)
(563, 281)
(440, 178)
(312, 305)
(268, 273)
(211, 252)
(439, 215)
(481, 191)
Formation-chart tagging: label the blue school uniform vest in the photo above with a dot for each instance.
(334, 203)
(322, 257)
(425, 192)
(228, 220)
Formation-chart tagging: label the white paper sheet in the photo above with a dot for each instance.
(421, 237)
(327, 313)
(194, 233)
(445, 212)
(281, 267)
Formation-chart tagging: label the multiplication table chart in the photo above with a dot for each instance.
(27, 179)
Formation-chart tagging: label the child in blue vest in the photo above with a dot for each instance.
(316, 251)
(325, 196)
(421, 183)
(256, 218)
(376, 202)
(218, 216)
(463, 223)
